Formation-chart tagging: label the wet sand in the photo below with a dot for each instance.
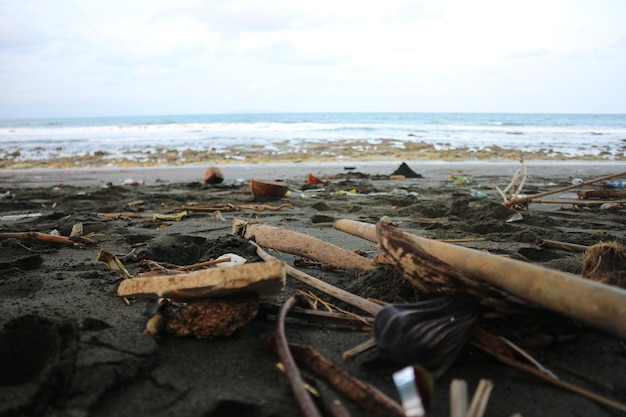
(70, 346)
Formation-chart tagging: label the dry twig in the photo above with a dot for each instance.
(291, 370)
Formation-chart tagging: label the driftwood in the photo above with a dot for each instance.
(514, 201)
(585, 194)
(572, 247)
(265, 278)
(44, 237)
(599, 305)
(580, 203)
(363, 395)
(288, 241)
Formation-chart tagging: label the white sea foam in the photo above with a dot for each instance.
(132, 137)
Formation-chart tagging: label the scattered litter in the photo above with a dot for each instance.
(13, 217)
(515, 218)
(130, 181)
(611, 206)
(406, 385)
(616, 183)
(460, 181)
(169, 217)
(218, 216)
(477, 193)
(234, 260)
(577, 181)
(268, 188)
(8, 194)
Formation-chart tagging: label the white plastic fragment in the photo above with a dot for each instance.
(234, 260)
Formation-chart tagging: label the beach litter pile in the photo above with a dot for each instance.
(390, 322)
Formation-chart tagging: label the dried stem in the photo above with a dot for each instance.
(291, 369)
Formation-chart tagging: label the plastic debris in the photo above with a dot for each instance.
(460, 181)
(477, 193)
(234, 260)
(515, 218)
(406, 385)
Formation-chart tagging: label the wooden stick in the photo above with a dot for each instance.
(351, 353)
(554, 381)
(302, 245)
(293, 373)
(481, 397)
(325, 287)
(560, 190)
(122, 215)
(599, 305)
(203, 264)
(584, 194)
(579, 203)
(44, 237)
(572, 247)
(363, 395)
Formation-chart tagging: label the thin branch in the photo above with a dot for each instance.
(558, 382)
(291, 370)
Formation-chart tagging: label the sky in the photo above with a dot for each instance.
(74, 58)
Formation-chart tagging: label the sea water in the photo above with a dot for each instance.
(568, 134)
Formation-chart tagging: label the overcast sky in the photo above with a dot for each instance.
(128, 57)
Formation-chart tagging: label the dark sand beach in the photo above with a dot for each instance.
(69, 346)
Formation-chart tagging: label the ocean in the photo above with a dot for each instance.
(135, 138)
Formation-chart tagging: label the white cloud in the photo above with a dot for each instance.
(201, 56)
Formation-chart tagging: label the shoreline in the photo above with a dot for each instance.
(242, 172)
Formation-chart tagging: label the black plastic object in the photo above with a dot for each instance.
(429, 332)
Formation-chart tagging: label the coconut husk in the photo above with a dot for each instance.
(606, 263)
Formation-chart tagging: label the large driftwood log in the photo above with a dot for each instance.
(288, 241)
(599, 305)
(265, 278)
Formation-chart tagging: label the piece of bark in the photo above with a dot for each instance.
(302, 245)
(265, 278)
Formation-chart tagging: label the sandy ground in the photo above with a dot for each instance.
(71, 347)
